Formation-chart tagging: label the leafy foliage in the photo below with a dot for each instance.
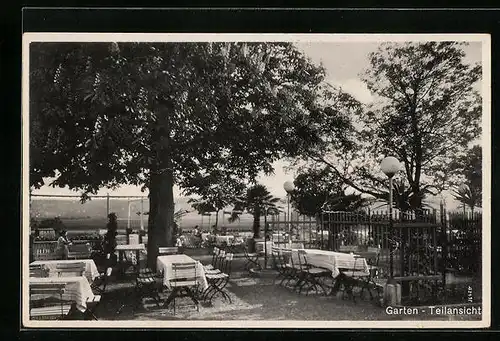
(257, 201)
(426, 113)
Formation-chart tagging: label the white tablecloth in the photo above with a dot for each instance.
(331, 260)
(91, 271)
(77, 289)
(224, 239)
(164, 263)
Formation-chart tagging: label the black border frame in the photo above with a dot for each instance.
(241, 20)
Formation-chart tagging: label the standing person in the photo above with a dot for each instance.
(62, 245)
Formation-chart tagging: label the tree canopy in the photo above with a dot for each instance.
(426, 113)
(159, 114)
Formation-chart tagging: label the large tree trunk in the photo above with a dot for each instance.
(256, 223)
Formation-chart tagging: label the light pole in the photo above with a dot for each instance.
(289, 187)
(390, 166)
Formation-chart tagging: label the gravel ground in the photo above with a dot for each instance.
(252, 299)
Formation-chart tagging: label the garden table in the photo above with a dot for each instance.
(164, 263)
(77, 290)
(91, 271)
(137, 248)
(259, 247)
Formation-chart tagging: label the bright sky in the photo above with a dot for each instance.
(344, 61)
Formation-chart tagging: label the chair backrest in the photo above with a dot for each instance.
(45, 254)
(38, 271)
(259, 247)
(296, 245)
(372, 258)
(286, 256)
(348, 248)
(228, 260)
(184, 274)
(168, 250)
(70, 269)
(133, 239)
(302, 258)
(49, 289)
(215, 253)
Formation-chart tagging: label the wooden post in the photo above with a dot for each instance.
(107, 205)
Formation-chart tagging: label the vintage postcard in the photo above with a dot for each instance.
(256, 180)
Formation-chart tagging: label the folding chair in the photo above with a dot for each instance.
(219, 265)
(70, 269)
(184, 283)
(218, 281)
(48, 311)
(215, 255)
(311, 274)
(38, 271)
(168, 250)
(357, 274)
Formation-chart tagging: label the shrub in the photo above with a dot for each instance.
(54, 223)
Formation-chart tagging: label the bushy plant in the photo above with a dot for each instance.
(109, 243)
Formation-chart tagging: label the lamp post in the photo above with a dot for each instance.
(289, 187)
(390, 166)
(463, 190)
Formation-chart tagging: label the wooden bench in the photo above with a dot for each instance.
(38, 271)
(168, 250)
(79, 251)
(53, 310)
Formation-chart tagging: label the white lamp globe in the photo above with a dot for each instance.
(289, 186)
(390, 166)
(463, 188)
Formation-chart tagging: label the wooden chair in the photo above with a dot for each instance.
(79, 251)
(251, 259)
(99, 284)
(168, 250)
(311, 274)
(353, 273)
(213, 263)
(133, 238)
(50, 310)
(70, 269)
(184, 283)
(38, 271)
